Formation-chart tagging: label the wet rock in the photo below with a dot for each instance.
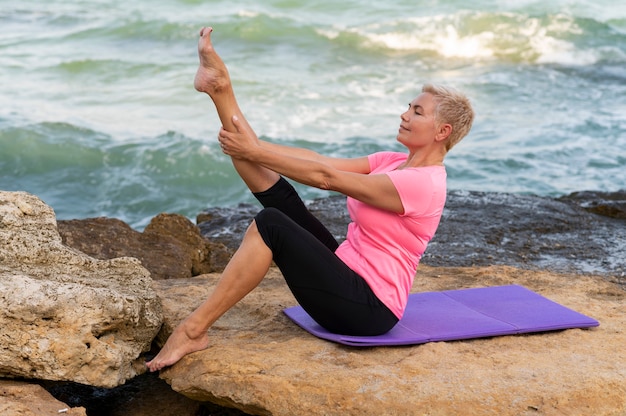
(480, 229)
(226, 225)
(65, 315)
(609, 204)
(170, 247)
(527, 231)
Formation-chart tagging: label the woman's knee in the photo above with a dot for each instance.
(262, 224)
(275, 228)
(269, 215)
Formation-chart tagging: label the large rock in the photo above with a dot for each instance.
(65, 315)
(262, 363)
(170, 247)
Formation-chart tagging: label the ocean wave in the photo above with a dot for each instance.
(137, 28)
(83, 173)
(513, 37)
(106, 69)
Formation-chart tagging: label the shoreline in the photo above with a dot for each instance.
(583, 232)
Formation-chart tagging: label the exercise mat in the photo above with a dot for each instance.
(462, 314)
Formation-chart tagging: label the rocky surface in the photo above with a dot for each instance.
(65, 315)
(531, 232)
(567, 234)
(569, 249)
(608, 204)
(170, 247)
(262, 363)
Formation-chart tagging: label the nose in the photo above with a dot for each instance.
(403, 116)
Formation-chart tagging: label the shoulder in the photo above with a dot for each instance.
(381, 160)
(434, 175)
(421, 190)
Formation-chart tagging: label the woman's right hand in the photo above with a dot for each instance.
(240, 144)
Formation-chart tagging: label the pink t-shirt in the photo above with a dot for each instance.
(384, 247)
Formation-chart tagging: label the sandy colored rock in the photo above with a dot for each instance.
(262, 363)
(65, 315)
(18, 398)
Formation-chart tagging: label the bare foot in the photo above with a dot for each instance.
(212, 76)
(177, 346)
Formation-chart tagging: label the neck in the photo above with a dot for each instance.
(422, 159)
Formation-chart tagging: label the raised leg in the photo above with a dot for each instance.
(243, 273)
(213, 79)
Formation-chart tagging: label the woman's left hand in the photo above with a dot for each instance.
(241, 144)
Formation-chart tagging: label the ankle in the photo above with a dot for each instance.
(220, 88)
(192, 329)
(215, 88)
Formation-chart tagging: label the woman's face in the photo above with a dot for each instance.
(417, 127)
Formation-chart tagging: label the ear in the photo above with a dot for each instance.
(443, 132)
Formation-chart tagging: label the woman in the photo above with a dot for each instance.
(395, 201)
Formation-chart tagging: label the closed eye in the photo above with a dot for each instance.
(418, 109)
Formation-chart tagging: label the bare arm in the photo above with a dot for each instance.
(374, 190)
(356, 165)
(348, 176)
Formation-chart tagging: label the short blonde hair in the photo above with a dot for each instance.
(451, 107)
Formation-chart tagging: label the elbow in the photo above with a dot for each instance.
(324, 181)
(325, 185)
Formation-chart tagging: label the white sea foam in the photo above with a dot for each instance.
(435, 35)
(478, 35)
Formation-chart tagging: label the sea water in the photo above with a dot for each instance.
(99, 117)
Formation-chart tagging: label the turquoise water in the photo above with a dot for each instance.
(98, 115)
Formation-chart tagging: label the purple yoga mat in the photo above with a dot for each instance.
(462, 314)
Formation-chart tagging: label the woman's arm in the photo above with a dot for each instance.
(356, 165)
(347, 176)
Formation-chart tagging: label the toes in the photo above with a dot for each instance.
(205, 31)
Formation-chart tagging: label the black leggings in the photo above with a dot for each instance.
(334, 295)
